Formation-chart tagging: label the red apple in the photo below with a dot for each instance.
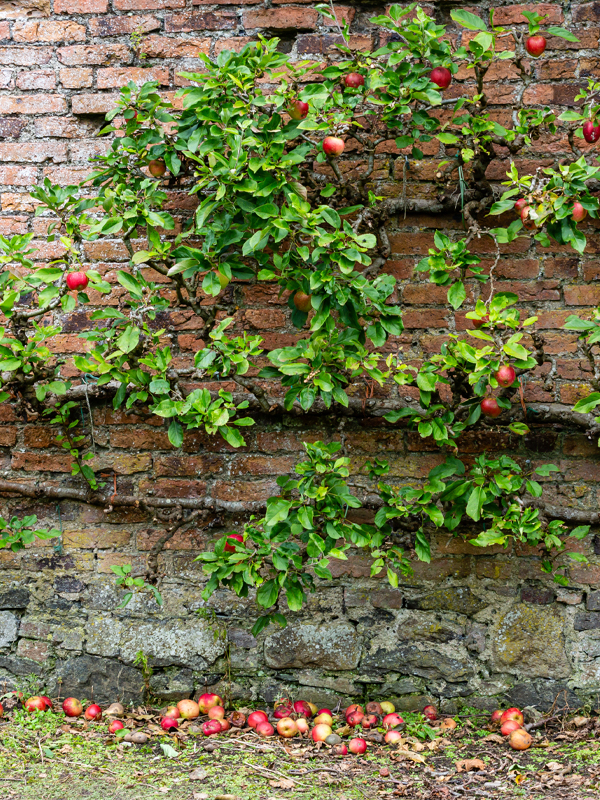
(357, 746)
(287, 727)
(216, 712)
(391, 720)
(393, 737)
(302, 724)
(172, 712)
(211, 728)
(325, 711)
(520, 740)
(353, 80)
(339, 750)
(369, 721)
(93, 712)
(47, 701)
(265, 729)
(231, 548)
(256, 717)
(512, 714)
(224, 723)
(528, 222)
(442, 76)
(323, 719)
(188, 709)
(355, 718)
(490, 407)
(77, 280)
(157, 168)
(1, 710)
(115, 725)
(508, 727)
(208, 701)
(430, 713)
(333, 146)
(320, 732)
(506, 376)
(535, 45)
(302, 707)
(579, 212)
(353, 707)
(169, 723)
(72, 707)
(496, 716)
(520, 204)
(591, 132)
(281, 712)
(35, 704)
(479, 323)
(298, 109)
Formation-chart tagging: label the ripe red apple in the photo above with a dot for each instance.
(325, 711)
(490, 407)
(391, 720)
(430, 713)
(591, 132)
(512, 714)
(535, 45)
(216, 712)
(35, 704)
(374, 708)
(528, 222)
(302, 707)
(157, 168)
(256, 717)
(188, 709)
(393, 737)
(93, 712)
(287, 727)
(369, 721)
(320, 732)
(72, 707)
(115, 725)
(520, 740)
(169, 723)
(281, 712)
(224, 723)
(496, 716)
(353, 80)
(47, 701)
(208, 701)
(302, 724)
(172, 712)
(579, 212)
(506, 376)
(333, 146)
(387, 707)
(77, 280)
(265, 729)
(355, 718)
(509, 726)
(357, 746)
(339, 750)
(323, 719)
(298, 109)
(442, 76)
(479, 323)
(211, 728)
(230, 548)
(1, 710)
(353, 707)
(520, 204)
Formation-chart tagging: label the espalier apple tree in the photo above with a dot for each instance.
(260, 144)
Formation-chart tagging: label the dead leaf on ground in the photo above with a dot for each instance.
(579, 722)
(199, 796)
(554, 766)
(198, 774)
(469, 764)
(411, 756)
(284, 783)
(493, 737)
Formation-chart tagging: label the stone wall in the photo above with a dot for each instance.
(469, 626)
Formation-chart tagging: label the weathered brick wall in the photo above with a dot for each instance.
(471, 623)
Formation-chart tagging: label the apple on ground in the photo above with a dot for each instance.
(93, 712)
(325, 711)
(374, 708)
(509, 726)
(496, 716)
(287, 727)
(283, 701)
(490, 407)
(333, 146)
(115, 725)
(392, 720)
(357, 746)
(1, 710)
(323, 718)
(355, 718)
(188, 709)
(447, 725)
(512, 714)
(519, 739)
(393, 737)
(313, 708)
(216, 712)
(256, 717)
(72, 707)
(77, 281)
(369, 721)
(320, 732)
(265, 729)
(430, 713)
(169, 723)
(211, 728)
(353, 707)
(170, 711)
(387, 707)
(441, 76)
(208, 701)
(339, 750)
(302, 725)
(225, 724)
(302, 707)
(281, 712)
(35, 704)
(48, 702)
(535, 45)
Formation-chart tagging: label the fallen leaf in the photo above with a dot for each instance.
(493, 737)
(519, 779)
(579, 722)
(198, 774)
(199, 796)
(412, 756)
(554, 766)
(284, 783)
(469, 764)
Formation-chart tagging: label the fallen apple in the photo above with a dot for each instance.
(519, 739)
(115, 725)
(369, 721)
(353, 707)
(287, 727)
(48, 702)
(393, 737)
(256, 717)
(392, 720)
(302, 707)
(1, 710)
(170, 711)
(323, 718)
(320, 732)
(283, 701)
(302, 724)
(281, 712)
(117, 710)
(93, 712)
(339, 750)
(72, 707)
(387, 707)
(211, 728)
(496, 716)
(325, 711)
(35, 704)
(509, 726)
(430, 713)
(265, 729)
(512, 713)
(216, 712)
(355, 718)
(169, 723)
(313, 708)
(208, 701)
(237, 719)
(357, 746)
(447, 725)
(188, 709)
(225, 725)
(374, 708)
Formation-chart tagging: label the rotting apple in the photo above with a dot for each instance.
(302, 707)
(374, 708)
(519, 739)
(355, 718)
(430, 713)
(211, 728)
(447, 724)
(281, 712)
(369, 721)
(339, 750)
(496, 716)
(169, 724)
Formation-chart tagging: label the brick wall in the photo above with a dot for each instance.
(470, 624)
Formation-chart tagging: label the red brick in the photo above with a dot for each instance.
(25, 56)
(33, 151)
(93, 103)
(244, 491)
(582, 295)
(66, 127)
(282, 19)
(513, 15)
(8, 436)
(167, 47)
(33, 104)
(116, 26)
(180, 466)
(115, 77)
(6, 78)
(146, 5)
(77, 78)
(89, 54)
(105, 562)
(48, 31)
(36, 79)
(80, 6)
(202, 21)
(40, 462)
(18, 176)
(140, 439)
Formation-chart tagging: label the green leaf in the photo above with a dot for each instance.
(457, 294)
(175, 433)
(422, 548)
(587, 404)
(519, 428)
(476, 501)
(470, 21)
(447, 138)
(554, 30)
(268, 593)
(129, 339)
